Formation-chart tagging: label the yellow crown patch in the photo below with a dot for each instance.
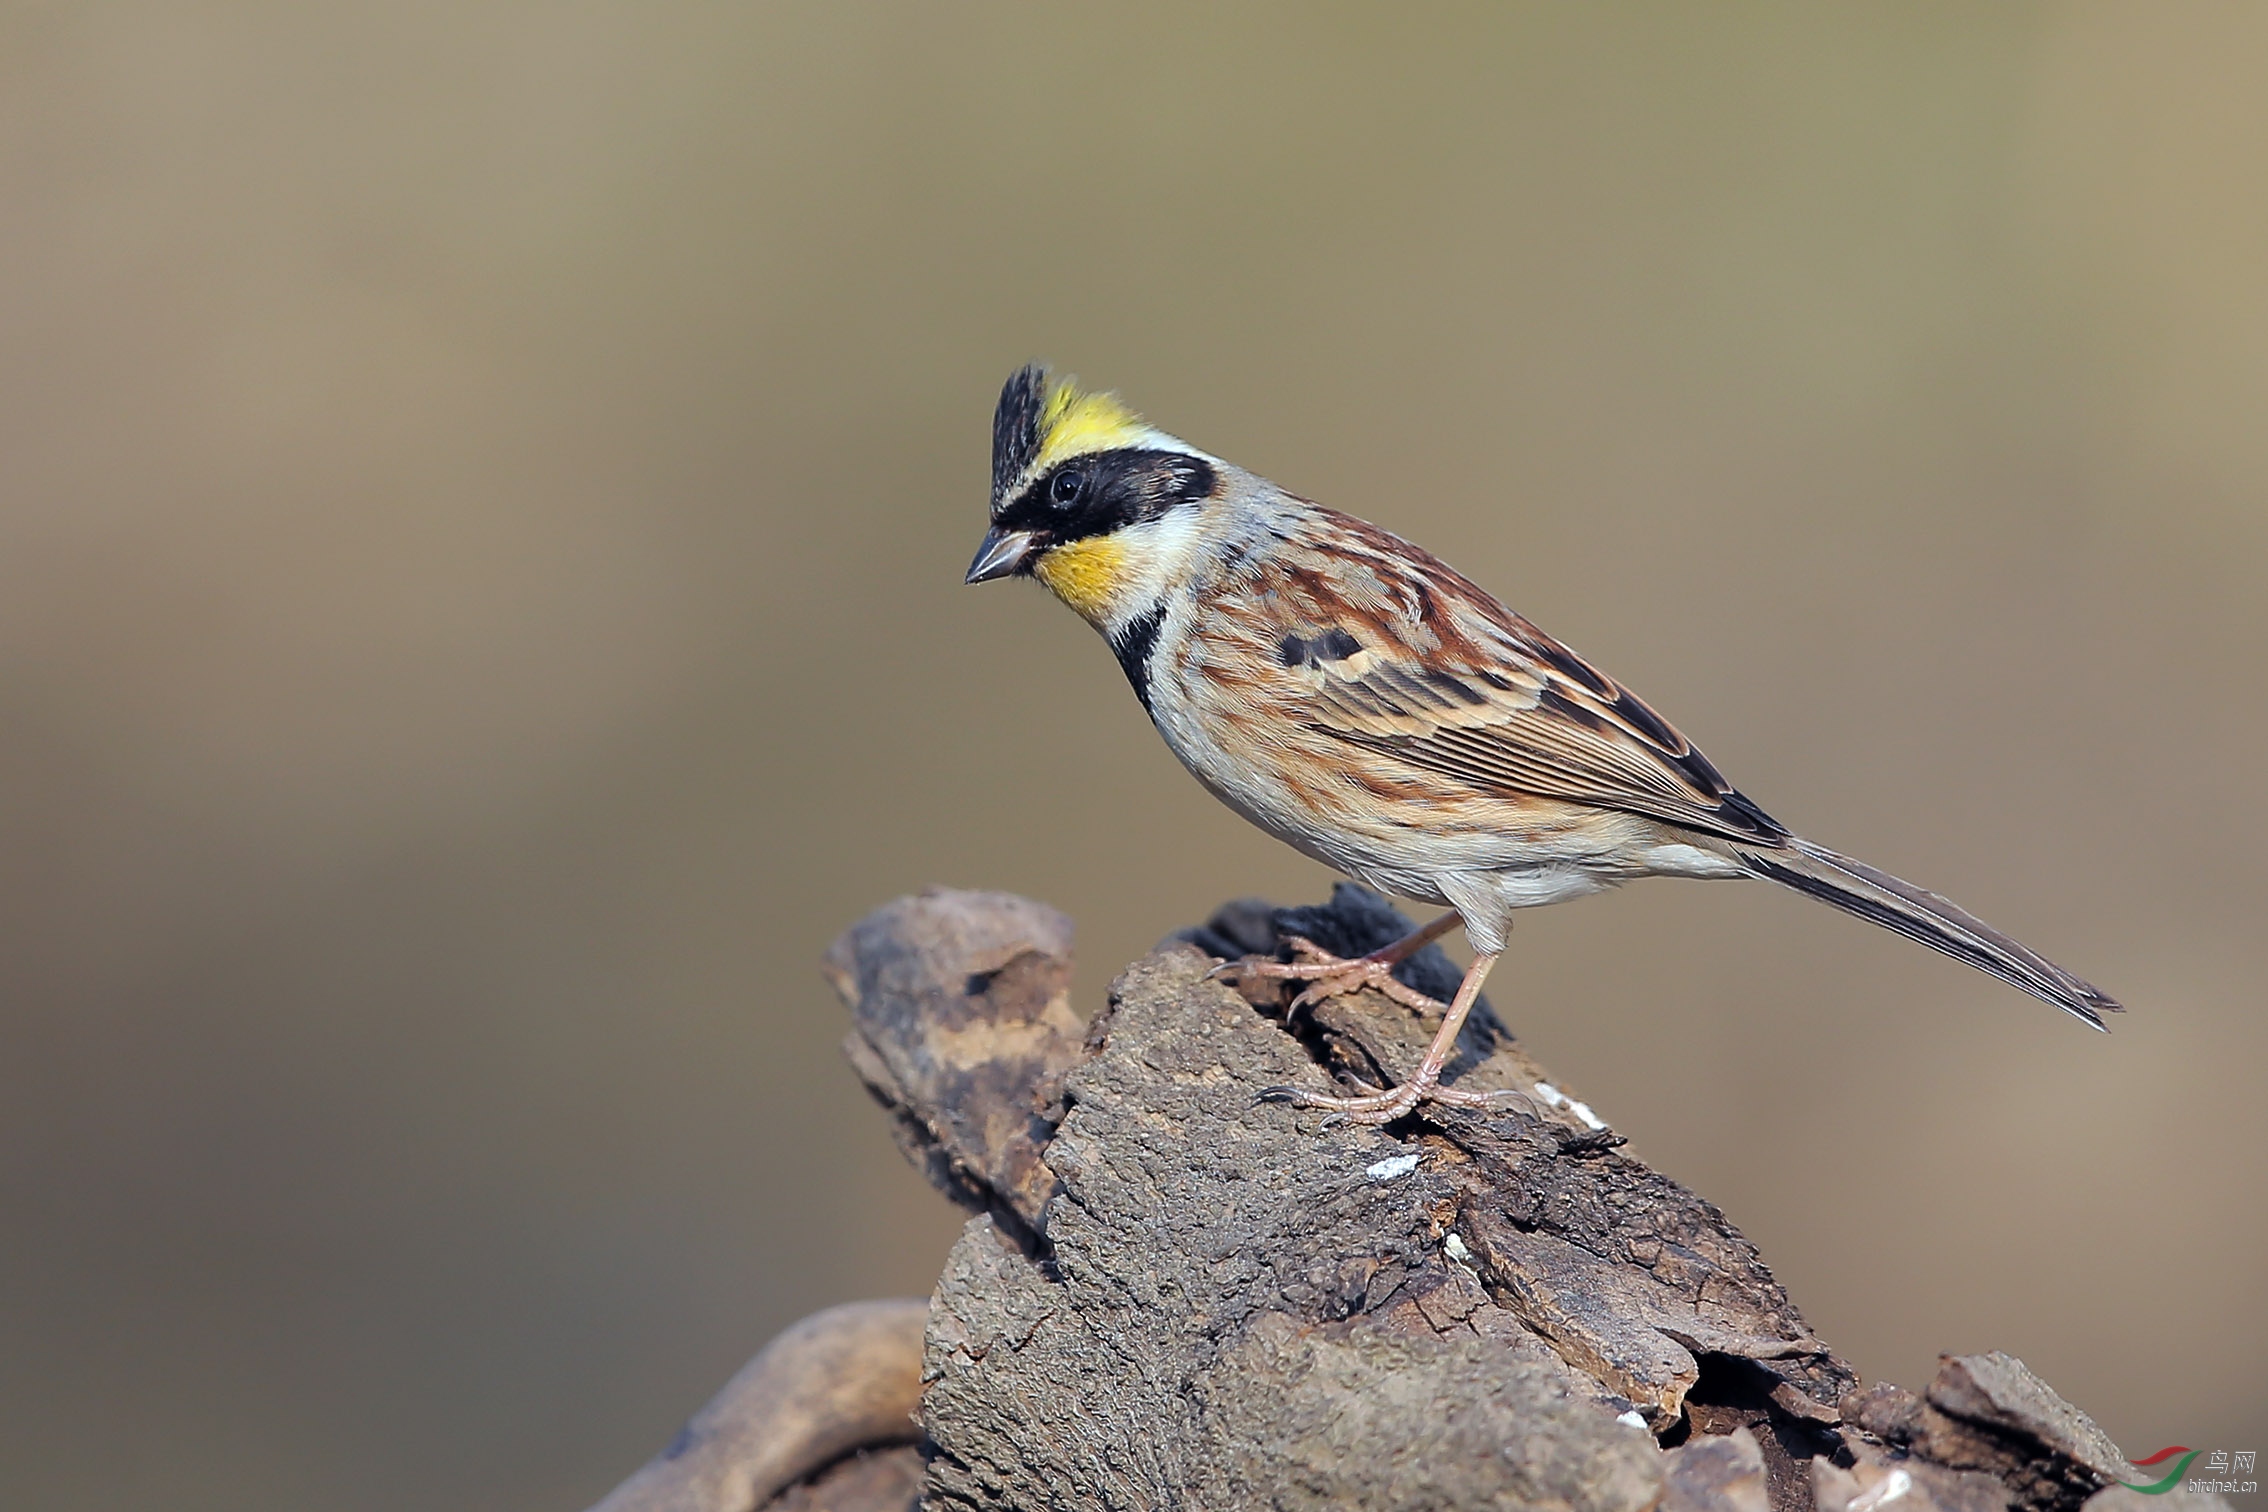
(1073, 422)
(1041, 422)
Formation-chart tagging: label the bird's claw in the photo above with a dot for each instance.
(1330, 976)
(1375, 1108)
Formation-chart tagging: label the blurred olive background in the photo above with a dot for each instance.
(486, 489)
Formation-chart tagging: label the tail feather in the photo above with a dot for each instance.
(1919, 914)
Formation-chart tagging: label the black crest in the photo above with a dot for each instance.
(1015, 428)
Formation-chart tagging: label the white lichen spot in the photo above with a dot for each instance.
(1883, 1492)
(1391, 1167)
(1552, 1097)
(1633, 1418)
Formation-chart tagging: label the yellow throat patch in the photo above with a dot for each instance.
(1085, 574)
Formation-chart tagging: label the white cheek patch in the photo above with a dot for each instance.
(1156, 557)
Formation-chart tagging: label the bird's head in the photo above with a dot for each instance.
(1088, 499)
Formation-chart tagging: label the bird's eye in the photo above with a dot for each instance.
(1067, 487)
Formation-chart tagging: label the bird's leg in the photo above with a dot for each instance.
(1336, 976)
(1385, 1107)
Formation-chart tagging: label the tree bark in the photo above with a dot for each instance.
(1175, 1293)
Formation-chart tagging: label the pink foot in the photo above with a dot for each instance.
(1333, 976)
(1385, 1107)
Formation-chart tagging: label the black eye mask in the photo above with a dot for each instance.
(1104, 492)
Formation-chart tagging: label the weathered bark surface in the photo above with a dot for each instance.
(964, 1032)
(1220, 1301)
(1181, 1295)
(839, 1381)
(879, 1480)
(1177, 1294)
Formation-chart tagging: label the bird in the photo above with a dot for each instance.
(1356, 697)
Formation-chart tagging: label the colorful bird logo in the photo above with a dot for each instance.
(2173, 1476)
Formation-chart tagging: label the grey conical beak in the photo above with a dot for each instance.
(1000, 553)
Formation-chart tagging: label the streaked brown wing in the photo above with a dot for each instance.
(1537, 721)
(1393, 650)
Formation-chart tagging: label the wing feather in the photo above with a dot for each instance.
(1447, 680)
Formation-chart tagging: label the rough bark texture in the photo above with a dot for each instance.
(839, 1382)
(1177, 1294)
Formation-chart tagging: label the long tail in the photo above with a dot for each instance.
(1919, 914)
